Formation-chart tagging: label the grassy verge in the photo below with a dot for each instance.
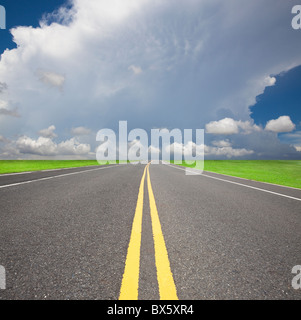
(286, 173)
(11, 166)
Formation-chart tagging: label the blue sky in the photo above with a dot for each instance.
(230, 67)
(283, 98)
(24, 13)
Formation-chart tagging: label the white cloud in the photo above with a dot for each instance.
(102, 12)
(248, 127)
(187, 150)
(135, 69)
(282, 124)
(2, 139)
(218, 60)
(80, 131)
(175, 148)
(73, 147)
(51, 78)
(269, 81)
(223, 150)
(225, 126)
(3, 104)
(153, 150)
(229, 126)
(228, 152)
(3, 87)
(5, 109)
(48, 133)
(41, 146)
(46, 147)
(222, 143)
(7, 112)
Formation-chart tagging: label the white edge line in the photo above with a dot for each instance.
(227, 175)
(36, 171)
(58, 176)
(244, 185)
(272, 184)
(16, 173)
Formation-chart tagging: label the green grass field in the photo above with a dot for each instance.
(11, 166)
(287, 173)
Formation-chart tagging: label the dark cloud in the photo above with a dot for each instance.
(3, 87)
(12, 113)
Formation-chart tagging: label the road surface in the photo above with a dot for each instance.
(147, 232)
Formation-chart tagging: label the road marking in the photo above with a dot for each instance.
(37, 171)
(241, 184)
(16, 173)
(52, 177)
(166, 282)
(268, 183)
(130, 280)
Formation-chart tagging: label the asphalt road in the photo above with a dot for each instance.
(67, 234)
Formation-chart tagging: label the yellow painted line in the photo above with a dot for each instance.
(167, 288)
(130, 280)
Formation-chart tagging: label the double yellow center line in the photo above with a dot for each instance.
(130, 281)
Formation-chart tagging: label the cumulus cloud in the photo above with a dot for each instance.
(222, 150)
(47, 147)
(228, 152)
(153, 150)
(248, 127)
(187, 150)
(229, 126)
(80, 131)
(73, 147)
(51, 78)
(5, 108)
(41, 146)
(135, 69)
(224, 126)
(48, 133)
(3, 139)
(44, 146)
(269, 81)
(11, 113)
(282, 124)
(222, 143)
(3, 87)
(217, 60)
